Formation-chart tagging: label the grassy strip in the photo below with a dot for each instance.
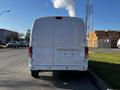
(107, 66)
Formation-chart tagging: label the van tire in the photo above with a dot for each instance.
(34, 73)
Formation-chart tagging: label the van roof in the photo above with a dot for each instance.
(67, 17)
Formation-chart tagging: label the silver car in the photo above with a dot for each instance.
(12, 44)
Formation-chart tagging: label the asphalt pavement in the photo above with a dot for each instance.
(15, 75)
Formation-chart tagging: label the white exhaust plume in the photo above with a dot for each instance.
(69, 5)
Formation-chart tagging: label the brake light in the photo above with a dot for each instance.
(86, 52)
(30, 52)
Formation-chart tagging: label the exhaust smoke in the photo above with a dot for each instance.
(69, 5)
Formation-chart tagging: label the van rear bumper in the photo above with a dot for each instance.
(82, 67)
(59, 67)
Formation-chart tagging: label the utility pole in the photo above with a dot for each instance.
(89, 16)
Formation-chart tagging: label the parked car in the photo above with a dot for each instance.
(23, 44)
(12, 44)
(26, 43)
(118, 43)
(57, 44)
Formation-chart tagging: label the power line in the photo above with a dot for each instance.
(5, 11)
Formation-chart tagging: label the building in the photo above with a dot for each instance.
(114, 37)
(119, 33)
(7, 35)
(103, 39)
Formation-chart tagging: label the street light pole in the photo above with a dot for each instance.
(5, 11)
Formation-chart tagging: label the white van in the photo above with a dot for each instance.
(118, 43)
(58, 43)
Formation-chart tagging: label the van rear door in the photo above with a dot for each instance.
(69, 41)
(42, 42)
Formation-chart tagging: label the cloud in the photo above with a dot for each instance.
(69, 5)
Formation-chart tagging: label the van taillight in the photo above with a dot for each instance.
(86, 52)
(30, 52)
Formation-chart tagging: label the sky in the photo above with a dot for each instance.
(23, 13)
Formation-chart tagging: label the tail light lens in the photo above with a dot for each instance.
(86, 52)
(30, 52)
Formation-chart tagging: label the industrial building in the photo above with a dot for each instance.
(103, 39)
(7, 35)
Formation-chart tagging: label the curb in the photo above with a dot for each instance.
(96, 81)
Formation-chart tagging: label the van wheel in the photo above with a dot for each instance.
(34, 73)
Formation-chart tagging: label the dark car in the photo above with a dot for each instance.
(23, 44)
(12, 44)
